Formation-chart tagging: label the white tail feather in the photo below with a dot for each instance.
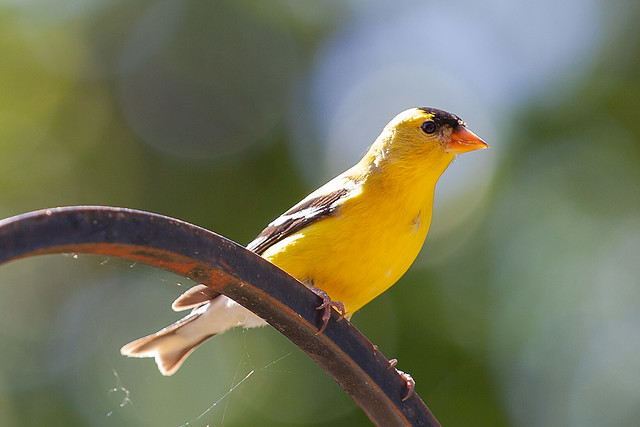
(173, 344)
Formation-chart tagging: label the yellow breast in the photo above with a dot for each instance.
(359, 253)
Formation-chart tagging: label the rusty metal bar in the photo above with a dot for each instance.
(208, 258)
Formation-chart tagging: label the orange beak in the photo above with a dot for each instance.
(463, 140)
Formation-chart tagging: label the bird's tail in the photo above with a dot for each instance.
(172, 345)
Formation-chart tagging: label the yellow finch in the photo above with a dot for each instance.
(352, 238)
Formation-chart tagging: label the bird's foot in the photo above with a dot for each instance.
(410, 383)
(327, 304)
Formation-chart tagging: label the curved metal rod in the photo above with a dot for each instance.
(208, 258)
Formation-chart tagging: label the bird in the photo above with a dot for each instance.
(349, 240)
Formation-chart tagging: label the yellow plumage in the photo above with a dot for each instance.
(353, 238)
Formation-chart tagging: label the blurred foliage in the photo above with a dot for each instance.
(524, 307)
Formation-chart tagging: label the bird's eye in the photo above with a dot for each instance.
(428, 127)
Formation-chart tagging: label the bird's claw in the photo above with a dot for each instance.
(327, 304)
(410, 383)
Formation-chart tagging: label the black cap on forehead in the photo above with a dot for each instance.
(441, 117)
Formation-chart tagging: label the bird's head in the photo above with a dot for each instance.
(424, 135)
(434, 128)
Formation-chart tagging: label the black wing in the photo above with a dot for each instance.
(296, 218)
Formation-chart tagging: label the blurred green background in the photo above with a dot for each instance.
(523, 308)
